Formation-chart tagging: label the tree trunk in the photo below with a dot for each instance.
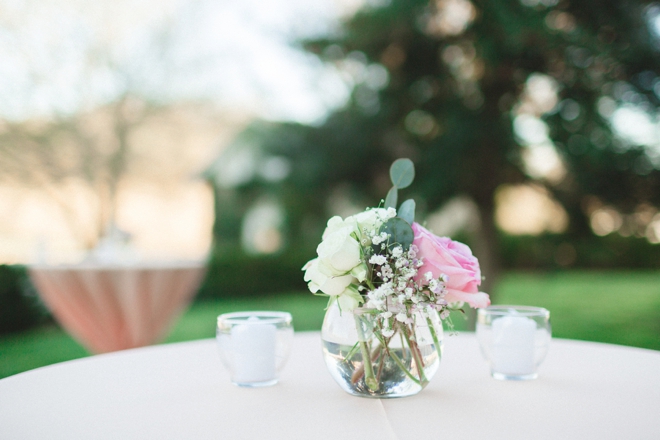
(486, 248)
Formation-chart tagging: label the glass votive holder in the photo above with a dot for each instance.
(254, 346)
(514, 340)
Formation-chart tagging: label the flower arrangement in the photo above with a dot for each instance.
(384, 264)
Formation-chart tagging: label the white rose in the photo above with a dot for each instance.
(339, 251)
(330, 285)
(334, 223)
(372, 219)
(349, 299)
(360, 272)
(347, 302)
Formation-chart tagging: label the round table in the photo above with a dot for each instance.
(109, 307)
(181, 391)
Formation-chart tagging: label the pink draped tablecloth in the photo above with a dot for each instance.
(116, 307)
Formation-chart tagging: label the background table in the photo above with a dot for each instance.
(180, 391)
(109, 307)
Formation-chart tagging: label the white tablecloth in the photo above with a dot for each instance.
(181, 391)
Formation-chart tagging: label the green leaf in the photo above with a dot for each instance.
(407, 211)
(391, 199)
(402, 173)
(400, 233)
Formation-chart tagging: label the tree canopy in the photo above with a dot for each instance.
(479, 94)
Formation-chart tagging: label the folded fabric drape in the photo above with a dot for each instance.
(108, 308)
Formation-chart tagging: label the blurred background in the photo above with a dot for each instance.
(230, 133)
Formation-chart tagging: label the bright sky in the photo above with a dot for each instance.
(63, 55)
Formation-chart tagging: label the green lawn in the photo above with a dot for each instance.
(615, 307)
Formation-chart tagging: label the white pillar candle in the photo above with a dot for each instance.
(513, 345)
(253, 346)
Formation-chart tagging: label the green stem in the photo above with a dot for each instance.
(403, 343)
(414, 350)
(403, 367)
(381, 363)
(369, 378)
(352, 352)
(359, 372)
(435, 337)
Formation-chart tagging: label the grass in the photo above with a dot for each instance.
(615, 307)
(50, 344)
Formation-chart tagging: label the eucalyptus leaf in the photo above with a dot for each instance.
(402, 173)
(400, 233)
(407, 211)
(391, 199)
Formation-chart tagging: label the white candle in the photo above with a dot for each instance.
(253, 346)
(513, 345)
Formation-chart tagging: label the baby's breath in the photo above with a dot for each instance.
(392, 288)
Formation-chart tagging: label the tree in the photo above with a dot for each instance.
(473, 92)
(77, 95)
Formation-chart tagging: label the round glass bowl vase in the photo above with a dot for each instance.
(254, 346)
(397, 365)
(514, 340)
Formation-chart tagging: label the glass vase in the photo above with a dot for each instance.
(397, 365)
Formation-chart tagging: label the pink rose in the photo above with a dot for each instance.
(443, 256)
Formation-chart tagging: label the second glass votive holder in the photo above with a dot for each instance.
(514, 340)
(254, 346)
